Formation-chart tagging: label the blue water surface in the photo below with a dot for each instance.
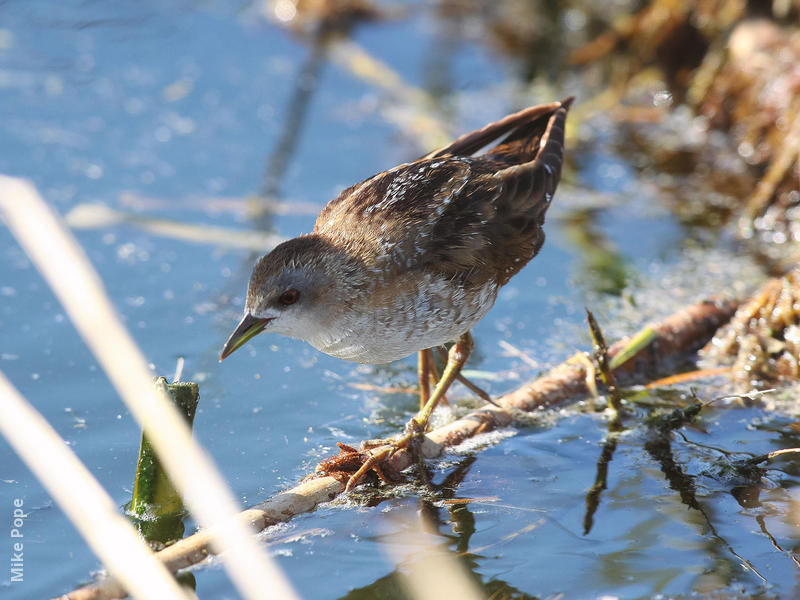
(171, 110)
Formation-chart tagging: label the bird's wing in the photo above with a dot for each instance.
(470, 218)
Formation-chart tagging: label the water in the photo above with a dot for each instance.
(172, 110)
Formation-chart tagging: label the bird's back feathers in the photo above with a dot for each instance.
(470, 218)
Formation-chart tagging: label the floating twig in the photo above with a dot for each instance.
(512, 350)
(686, 377)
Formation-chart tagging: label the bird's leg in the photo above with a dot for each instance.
(424, 365)
(456, 358)
(415, 428)
(468, 384)
(435, 373)
(427, 374)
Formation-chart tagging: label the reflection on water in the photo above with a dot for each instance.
(441, 514)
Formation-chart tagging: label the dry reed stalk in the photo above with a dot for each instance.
(98, 216)
(430, 571)
(684, 331)
(93, 512)
(65, 267)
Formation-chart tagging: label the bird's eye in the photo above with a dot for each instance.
(289, 297)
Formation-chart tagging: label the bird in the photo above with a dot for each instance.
(412, 258)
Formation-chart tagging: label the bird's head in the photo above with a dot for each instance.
(291, 292)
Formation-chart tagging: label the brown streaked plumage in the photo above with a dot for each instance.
(474, 219)
(413, 257)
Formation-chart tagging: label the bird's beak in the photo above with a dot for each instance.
(248, 327)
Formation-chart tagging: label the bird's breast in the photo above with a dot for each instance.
(394, 321)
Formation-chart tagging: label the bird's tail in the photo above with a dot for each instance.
(529, 184)
(524, 132)
(515, 186)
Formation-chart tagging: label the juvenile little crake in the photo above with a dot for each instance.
(414, 257)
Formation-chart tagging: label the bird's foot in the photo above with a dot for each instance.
(372, 457)
(351, 463)
(378, 453)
